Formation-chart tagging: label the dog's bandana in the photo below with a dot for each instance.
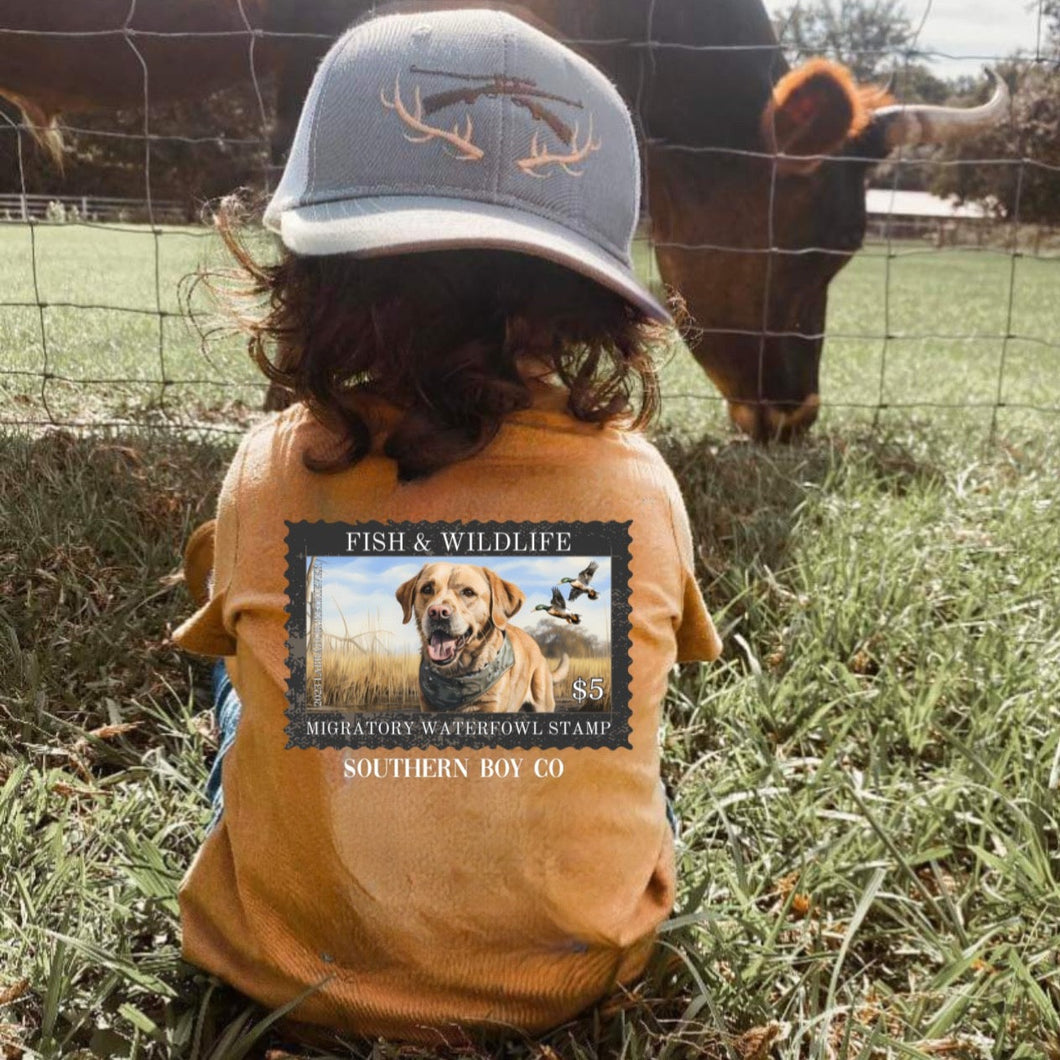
(452, 693)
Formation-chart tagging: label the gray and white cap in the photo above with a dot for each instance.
(464, 128)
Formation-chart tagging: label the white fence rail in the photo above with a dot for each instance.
(23, 208)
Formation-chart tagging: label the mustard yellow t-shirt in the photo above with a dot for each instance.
(419, 906)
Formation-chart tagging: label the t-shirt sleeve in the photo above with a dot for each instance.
(697, 639)
(210, 631)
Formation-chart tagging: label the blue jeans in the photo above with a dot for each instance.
(227, 710)
(671, 817)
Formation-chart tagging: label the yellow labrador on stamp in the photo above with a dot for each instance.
(472, 659)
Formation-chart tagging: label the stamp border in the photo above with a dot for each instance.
(588, 538)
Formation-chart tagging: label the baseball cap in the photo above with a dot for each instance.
(464, 128)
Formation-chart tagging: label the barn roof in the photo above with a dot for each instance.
(883, 202)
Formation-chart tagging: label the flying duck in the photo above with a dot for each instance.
(580, 584)
(558, 607)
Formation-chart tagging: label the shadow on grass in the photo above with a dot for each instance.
(93, 529)
(745, 500)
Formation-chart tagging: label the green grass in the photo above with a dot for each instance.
(947, 314)
(124, 363)
(868, 781)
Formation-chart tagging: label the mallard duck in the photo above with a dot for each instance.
(558, 607)
(580, 584)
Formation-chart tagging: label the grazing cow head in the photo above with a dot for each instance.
(753, 235)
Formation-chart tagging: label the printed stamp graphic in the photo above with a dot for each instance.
(458, 635)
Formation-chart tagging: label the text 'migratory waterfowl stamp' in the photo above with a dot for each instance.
(436, 634)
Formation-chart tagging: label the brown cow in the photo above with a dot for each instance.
(755, 174)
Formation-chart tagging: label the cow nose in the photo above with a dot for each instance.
(439, 611)
(766, 421)
(787, 423)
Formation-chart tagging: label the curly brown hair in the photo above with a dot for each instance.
(436, 333)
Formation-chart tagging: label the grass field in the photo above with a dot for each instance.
(868, 780)
(946, 314)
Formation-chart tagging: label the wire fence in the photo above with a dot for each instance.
(92, 341)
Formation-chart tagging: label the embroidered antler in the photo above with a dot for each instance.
(468, 151)
(541, 157)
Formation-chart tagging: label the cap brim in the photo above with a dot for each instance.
(373, 227)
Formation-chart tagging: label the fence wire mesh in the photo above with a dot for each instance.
(95, 336)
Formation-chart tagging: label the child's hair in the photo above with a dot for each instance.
(436, 333)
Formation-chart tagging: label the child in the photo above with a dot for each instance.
(456, 318)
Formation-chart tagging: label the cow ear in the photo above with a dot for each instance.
(505, 598)
(406, 594)
(814, 109)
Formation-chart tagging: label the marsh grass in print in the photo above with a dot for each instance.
(369, 648)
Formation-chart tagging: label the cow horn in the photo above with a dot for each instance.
(919, 124)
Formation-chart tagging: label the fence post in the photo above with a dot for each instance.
(25, 209)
